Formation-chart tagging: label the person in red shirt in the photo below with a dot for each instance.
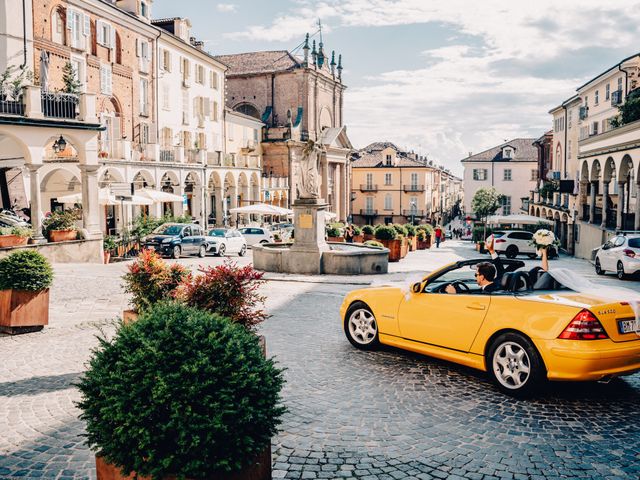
(439, 234)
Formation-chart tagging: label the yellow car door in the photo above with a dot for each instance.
(441, 319)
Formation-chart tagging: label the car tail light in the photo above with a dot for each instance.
(584, 326)
(500, 240)
(629, 253)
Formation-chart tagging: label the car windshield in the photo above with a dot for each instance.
(217, 232)
(498, 234)
(465, 274)
(634, 242)
(169, 229)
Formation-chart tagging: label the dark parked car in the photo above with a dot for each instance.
(176, 239)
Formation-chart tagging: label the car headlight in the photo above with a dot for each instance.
(167, 240)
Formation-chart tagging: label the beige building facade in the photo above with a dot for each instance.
(393, 186)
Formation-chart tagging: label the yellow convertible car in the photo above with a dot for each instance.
(519, 335)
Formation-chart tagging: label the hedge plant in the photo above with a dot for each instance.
(24, 232)
(25, 270)
(411, 229)
(400, 229)
(428, 229)
(368, 230)
(180, 392)
(356, 230)
(334, 232)
(373, 243)
(421, 235)
(386, 233)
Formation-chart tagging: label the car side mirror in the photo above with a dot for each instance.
(416, 287)
(605, 247)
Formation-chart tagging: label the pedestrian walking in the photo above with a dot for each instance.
(349, 234)
(439, 234)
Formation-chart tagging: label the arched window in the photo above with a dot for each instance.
(248, 109)
(118, 49)
(58, 29)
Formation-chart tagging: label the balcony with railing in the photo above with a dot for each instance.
(60, 105)
(413, 188)
(169, 154)
(194, 155)
(275, 182)
(413, 213)
(367, 212)
(11, 107)
(368, 187)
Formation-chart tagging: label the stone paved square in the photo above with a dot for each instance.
(368, 415)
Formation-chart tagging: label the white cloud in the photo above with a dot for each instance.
(453, 100)
(226, 7)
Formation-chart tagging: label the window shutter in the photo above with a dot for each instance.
(181, 65)
(69, 19)
(109, 82)
(100, 32)
(169, 64)
(112, 40)
(103, 80)
(207, 107)
(87, 25)
(137, 47)
(117, 128)
(153, 133)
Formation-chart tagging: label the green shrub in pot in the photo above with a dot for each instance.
(400, 229)
(368, 230)
(373, 243)
(25, 270)
(386, 233)
(334, 232)
(180, 392)
(411, 230)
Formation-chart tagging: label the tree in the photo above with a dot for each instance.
(629, 110)
(486, 201)
(70, 79)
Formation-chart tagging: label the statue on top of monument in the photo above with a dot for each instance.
(309, 178)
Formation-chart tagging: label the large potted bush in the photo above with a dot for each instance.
(60, 226)
(428, 240)
(411, 236)
(108, 245)
(181, 394)
(334, 234)
(149, 280)
(368, 232)
(14, 236)
(387, 235)
(25, 278)
(402, 235)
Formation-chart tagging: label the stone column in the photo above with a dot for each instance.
(90, 202)
(570, 233)
(592, 205)
(582, 197)
(325, 178)
(178, 207)
(36, 203)
(219, 200)
(605, 198)
(636, 223)
(233, 193)
(621, 201)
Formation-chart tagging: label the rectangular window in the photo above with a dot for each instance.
(368, 204)
(214, 111)
(594, 128)
(106, 86)
(369, 180)
(144, 97)
(387, 179)
(185, 68)
(144, 10)
(414, 180)
(213, 80)
(143, 51)
(597, 98)
(607, 92)
(506, 205)
(166, 97)
(105, 34)
(200, 74)
(388, 202)
(166, 60)
(388, 160)
(480, 174)
(79, 69)
(507, 175)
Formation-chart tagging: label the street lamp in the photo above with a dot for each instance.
(413, 211)
(59, 145)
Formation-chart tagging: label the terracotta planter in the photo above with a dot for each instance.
(12, 241)
(368, 237)
(259, 470)
(405, 248)
(335, 239)
(422, 244)
(395, 249)
(358, 238)
(107, 256)
(129, 316)
(413, 244)
(22, 311)
(62, 235)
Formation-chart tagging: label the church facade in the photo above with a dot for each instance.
(298, 100)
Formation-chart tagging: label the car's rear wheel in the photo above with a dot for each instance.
(512, 251)
(222, 249)
(243, 251)
(175, 253)
(202, 251)
(620, 271)
(515, 365)
(599, 269)
(361, 327)
(263, 241)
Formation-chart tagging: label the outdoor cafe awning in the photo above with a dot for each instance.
(519, 219)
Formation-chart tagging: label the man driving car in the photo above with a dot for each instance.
(488, 275)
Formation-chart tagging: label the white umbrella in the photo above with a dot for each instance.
(44, 71)
(517, 219)
(107, 198)
(260, 209)
(158, 196)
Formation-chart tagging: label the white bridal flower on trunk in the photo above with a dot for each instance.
(544, 238)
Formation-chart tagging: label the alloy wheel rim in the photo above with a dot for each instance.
(620, 270)
(362, 326)
(511, 365)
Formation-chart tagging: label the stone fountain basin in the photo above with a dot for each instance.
(340, 259)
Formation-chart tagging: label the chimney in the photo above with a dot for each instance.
(470, 153)
(314, 54)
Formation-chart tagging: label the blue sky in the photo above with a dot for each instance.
(441, 77)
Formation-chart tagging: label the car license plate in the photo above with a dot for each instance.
(151, 247)
(629, 325)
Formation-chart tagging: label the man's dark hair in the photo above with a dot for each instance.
(487, 270)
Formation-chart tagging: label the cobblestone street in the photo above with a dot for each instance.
(351, 414)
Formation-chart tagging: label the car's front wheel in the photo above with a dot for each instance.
(243, 251)
(515, 365)
(175, 253)
(222, 249)
(361, 327)
(202, 252)
(599, 269)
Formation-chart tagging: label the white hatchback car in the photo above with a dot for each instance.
(255, 235)
(222, 241)
(621, 254)
(513, 243)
